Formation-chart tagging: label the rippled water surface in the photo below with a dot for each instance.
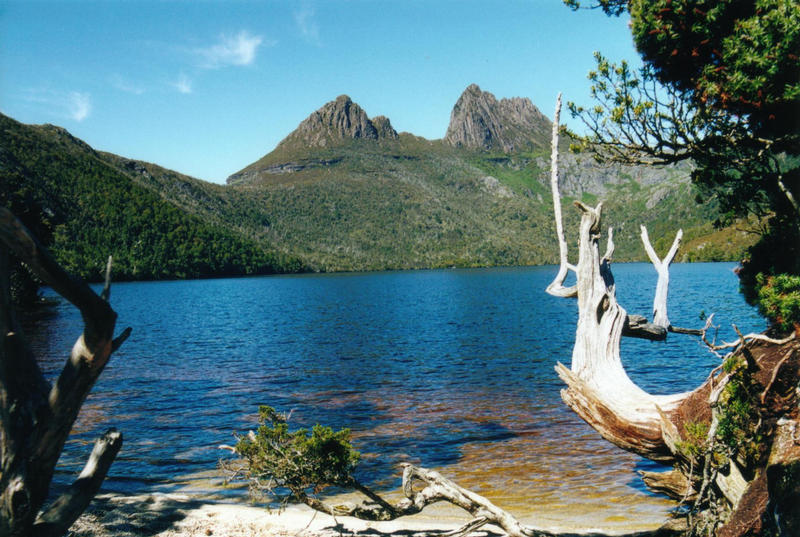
(451, 369)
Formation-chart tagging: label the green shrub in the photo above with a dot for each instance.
(300, 461)
(695, 439)
(779, 300)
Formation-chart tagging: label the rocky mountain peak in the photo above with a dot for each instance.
(480, 121)
(338, 120)
(384, 127)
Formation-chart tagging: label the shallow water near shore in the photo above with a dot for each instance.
(448, 369)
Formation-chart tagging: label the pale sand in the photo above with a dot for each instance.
(178, 515)
(181, 515)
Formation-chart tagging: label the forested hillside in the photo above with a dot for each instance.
(92, 210)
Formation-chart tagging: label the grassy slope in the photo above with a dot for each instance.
(416, 203)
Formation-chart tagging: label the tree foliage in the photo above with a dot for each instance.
(720, 87)
(739, 56)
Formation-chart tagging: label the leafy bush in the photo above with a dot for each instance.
(779, 300)
(300, 461)
(695, 439)
(740, 424)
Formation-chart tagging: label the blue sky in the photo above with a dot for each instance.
(205, 88)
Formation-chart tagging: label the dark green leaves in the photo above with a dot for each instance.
(300, 461)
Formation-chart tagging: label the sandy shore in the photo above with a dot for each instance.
(182, 515)
(178, 515)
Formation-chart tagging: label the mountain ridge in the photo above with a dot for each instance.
(346, 192)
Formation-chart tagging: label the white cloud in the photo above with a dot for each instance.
(231, 50)
(70, 105)
(307, 24)
(80, 105)
(183, 84)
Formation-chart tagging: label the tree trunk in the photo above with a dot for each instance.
(734, 441)
(36, 417)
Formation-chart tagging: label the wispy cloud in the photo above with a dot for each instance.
(307, 24)
(73, 105)
(80, 105)
(125, 85)
(239, 49)
(183, 84)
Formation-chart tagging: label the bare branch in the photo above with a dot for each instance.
(556, 287)
(436, 488)
(107, 285)
(609, 247)
(687, 331)
(660, 317)
(468, 528)
(31, 451)
(742, 338)
(97, 314)
(57, 519)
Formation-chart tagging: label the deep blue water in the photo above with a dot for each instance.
(451, 369)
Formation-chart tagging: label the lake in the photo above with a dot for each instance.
(449, 369)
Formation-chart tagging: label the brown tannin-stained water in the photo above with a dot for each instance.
(448, 369)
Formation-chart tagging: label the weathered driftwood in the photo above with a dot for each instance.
(36, 417)
(431, 488)
(599, 390)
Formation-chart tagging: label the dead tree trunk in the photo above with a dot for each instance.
(734, 441)
(35, 416)
(598, 388)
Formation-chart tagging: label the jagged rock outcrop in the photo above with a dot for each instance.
(480, 121)
(339, 120)
(384, 128)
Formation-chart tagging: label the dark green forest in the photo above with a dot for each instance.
(86, 210)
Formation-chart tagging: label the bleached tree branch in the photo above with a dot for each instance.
(660, 317)
(556, 287)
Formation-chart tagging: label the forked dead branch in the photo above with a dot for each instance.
(37, 416)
